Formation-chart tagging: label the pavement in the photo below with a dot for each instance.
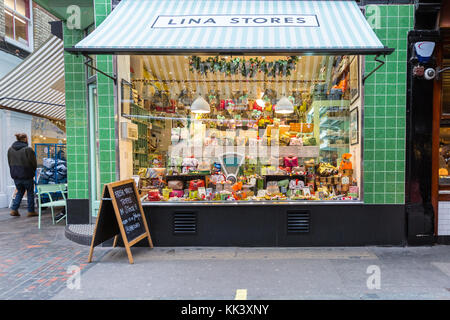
(34, 262)
(40, 264)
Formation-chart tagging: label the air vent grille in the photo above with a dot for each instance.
(298, 221)
(184, 223)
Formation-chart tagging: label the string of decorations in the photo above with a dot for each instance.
(247, 68)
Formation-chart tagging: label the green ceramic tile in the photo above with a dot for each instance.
(379, 166)
(380, 155)
(380, 144)
(369, 197)
(379, 198)
(369, 144)
(387, 102)
(368, 187)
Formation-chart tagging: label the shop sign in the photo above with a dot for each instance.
(257, 20)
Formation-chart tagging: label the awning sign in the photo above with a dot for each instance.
(257, 20)
(245, 26)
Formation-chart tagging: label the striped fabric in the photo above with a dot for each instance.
(36, 85)
(157, 25)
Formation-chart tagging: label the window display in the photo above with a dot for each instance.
(227, 128)
(444, 155)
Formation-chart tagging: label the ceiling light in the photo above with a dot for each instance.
(284, 106)
(260, 102)
(200, 105)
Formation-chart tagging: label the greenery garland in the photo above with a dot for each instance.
(247, 68)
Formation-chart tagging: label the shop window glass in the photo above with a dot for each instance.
(243, 128)
(10, 4)
(444, 155)
(18, 22)
(23, 7)
(446, 88)
(9, 24)
(21, 27)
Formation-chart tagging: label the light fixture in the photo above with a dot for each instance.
(260, 103)
(284, 106)
(200, 105)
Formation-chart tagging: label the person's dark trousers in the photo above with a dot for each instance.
(22, 186)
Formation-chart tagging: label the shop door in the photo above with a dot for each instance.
(94, 170)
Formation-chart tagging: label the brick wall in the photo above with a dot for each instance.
(41, 26)
(2, 19)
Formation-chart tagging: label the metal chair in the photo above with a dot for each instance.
(50, 189)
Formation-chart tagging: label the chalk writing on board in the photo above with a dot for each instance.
(129, 210)
(132, 227)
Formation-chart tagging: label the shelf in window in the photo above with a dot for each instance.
(276, 176)
(331, 121)
(333, 146)
(324, 135)
(186, 176)
(327, 104)
(140, 122)
(331, 103)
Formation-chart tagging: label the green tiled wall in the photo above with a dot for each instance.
(105, 91)
(385, 109)
(76, 119)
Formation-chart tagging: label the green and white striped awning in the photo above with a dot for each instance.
(36, 85)
(221, 26)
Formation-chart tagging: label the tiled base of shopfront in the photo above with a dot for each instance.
(34, 264)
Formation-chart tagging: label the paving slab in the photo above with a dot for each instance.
(34, 264)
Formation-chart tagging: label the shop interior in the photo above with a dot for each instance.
(48, 140)
(241, 128)
(444, 130)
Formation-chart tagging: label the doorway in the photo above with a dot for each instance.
(94, 156)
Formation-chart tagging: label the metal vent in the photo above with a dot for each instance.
(184, 223)
(298, 221)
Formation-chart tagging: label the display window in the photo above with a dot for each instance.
(242, 128)
(444, 156)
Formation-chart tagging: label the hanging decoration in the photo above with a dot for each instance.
(247, 68)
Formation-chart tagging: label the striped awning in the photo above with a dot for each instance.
(250, 26)
(36, 85)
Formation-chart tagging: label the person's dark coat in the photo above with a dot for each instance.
(22, 161)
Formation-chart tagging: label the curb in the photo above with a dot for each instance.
(80, 233)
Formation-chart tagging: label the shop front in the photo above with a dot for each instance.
(252, 123)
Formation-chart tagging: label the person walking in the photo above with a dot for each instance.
(22, 166)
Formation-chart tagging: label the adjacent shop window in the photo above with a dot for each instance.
(444, 130)
(445, 88)
(444, 155)
(18, 23)
(243, 128)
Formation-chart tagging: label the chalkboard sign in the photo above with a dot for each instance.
(130, 213)
(120, 215)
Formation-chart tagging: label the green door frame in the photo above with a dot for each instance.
(94, 181)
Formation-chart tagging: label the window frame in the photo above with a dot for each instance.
(359, 160)
(15, 14)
